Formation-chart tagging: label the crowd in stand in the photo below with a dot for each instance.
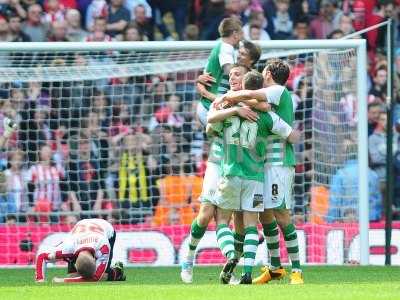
(131, 149)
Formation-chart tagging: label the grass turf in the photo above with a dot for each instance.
(164, 283)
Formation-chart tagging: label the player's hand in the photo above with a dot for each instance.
(218, 103)
(9, 126)
(247, 113)
(294, 136)
(206, 79)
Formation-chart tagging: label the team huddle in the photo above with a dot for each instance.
(248, 117)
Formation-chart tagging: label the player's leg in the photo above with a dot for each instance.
(238, 233)
(284, 186)
(116, 272)
(252, 204)
(200, 223)
(283, 218)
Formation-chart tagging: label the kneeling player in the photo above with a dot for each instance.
(243, 176)
(88, 249)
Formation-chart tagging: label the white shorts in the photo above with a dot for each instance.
(202, 112)
(210, 183)
(235, 193)
(278, 187)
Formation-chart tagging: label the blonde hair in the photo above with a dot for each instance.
(85, 265)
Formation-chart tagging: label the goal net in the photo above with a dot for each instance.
(112, 132)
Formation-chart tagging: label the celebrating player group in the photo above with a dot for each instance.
(248, 117)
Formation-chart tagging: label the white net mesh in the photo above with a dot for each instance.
(114, 135)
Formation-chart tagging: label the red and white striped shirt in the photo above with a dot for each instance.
(47, 184)
(87, 235)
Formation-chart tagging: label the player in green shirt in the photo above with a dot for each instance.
(245, 150)
(249, 54)
(279, 172)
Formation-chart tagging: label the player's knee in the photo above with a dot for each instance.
(266, 217)
(205, 216)
(283, 218)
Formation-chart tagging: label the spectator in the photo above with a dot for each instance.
(135, 181)
(118, 18)
(377, 148)
(17, 185)
(143, 22)
(85, 184)
(99, 31)
(283, 24)
(15, 29)
(346, 24)
(257, 21)
(210, 17)
(35, 131)
(132, 34)
(343, 202)
(379, 86)
(130, 5)
(74, 31)
(324, 23)
(168, 114)
(175, 197)
(191, 33)
(336, 34)
(33, 26)
(96, 9)
(301, 31)
(55, 12)
(16, 8)
(7, 204)
(58, 32)
(5, 35)
(374, 110)
(46, 177)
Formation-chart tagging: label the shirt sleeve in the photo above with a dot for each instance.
(279, 126)
(226, 54)
(62, 251)
(274, 93)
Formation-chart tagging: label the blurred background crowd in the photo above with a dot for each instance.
(131, 148)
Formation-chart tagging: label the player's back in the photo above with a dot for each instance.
(93, 227)
(246, 147)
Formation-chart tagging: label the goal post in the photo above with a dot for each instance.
(181, 62)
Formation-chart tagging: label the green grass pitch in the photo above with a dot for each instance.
(348, 282)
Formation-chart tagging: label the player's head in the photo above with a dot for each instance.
(253, 80)
(231, 28)
(276, 71)
(236, 76)
(249, 53)
(85, 264)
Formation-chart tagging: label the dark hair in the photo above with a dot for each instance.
(336, 31)
(253, 80)
(279, 69)
(253, 49)
(301, 20)
(228, 26)
(246, 68)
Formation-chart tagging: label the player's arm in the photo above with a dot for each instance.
(261, 106)
(283, 129)
(202, 82)
(43, 258)
(234, 97)
(220, 115)
(9, 127)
